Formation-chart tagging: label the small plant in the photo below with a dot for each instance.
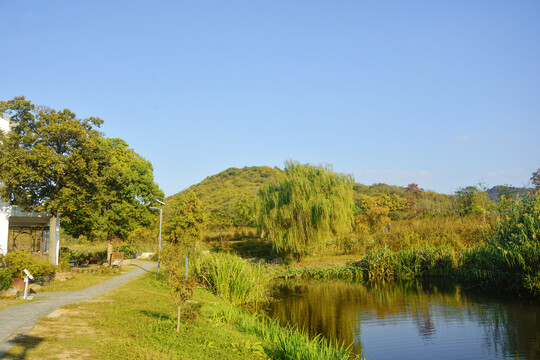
(181, 289)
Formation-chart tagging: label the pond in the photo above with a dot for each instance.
(412, 320)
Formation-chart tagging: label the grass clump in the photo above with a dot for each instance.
(233, 278)
(283, 342)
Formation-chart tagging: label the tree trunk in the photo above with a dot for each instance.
(178, 321)
(109, 248)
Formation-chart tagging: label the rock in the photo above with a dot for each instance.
(11, 292)
(18, 283)
(62, 276)
(34, 288)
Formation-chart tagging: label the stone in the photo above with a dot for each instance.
(61, 276)
(34, 288)
(18, 283)
(10, 292)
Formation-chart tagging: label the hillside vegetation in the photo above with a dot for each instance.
(227, 196)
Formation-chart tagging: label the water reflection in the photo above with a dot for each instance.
(412, 320)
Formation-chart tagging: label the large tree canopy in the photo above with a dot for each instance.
(41, 158)
(310, 205)
(51, 160)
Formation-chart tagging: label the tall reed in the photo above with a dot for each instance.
(233, 278)
(284, 343)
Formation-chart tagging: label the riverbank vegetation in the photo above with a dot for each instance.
(138, 321)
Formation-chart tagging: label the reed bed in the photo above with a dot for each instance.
(284, 343)
(507, 260)
(233, 278)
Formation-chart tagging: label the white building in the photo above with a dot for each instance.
(38, 233)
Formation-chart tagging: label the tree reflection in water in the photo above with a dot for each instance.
(409, 319)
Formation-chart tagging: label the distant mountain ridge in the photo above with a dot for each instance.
(496, 191)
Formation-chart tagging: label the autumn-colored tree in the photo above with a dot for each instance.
(374, 212)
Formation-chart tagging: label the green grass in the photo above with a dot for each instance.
(8, 303)
(138, 321)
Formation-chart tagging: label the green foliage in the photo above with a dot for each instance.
(6, 275)
(63, 259)
(233, 278)
(130, 250)
(53, 161)
(186, 221)
(474, 200)
(17, 261)
(42, 163)
(410, 263)
(283, 342)
(180, 288)
(309, 206)
(122, 188)
(227, 196)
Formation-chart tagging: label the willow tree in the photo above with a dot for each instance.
(309, 206)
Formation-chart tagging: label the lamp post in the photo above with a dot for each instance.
(160, 219)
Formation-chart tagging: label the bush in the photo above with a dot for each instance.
(63, 259)
(130, 250)
(17, 261)
(5, 278)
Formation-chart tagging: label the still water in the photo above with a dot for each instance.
(412, 320)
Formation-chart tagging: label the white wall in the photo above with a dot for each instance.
(4, 124)
(5, 210)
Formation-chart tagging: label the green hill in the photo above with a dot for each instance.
(228, 195)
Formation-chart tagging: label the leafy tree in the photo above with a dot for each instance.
(53, 161)
(374, 211)
(123, 186)
(474, 200)
(307, 207)
(535, 178)
(187, 220)
(41, 158)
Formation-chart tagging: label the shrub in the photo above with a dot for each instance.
(130, 250)
(63, 259)
(17, 261)
(5, 278)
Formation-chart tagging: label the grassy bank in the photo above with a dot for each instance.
(138, 321)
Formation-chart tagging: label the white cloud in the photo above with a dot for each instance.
(464, 137)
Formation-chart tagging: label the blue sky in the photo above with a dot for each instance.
(445, 94)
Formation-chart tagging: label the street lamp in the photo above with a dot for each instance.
(160, 219)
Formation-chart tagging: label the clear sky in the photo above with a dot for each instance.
(441, 93)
